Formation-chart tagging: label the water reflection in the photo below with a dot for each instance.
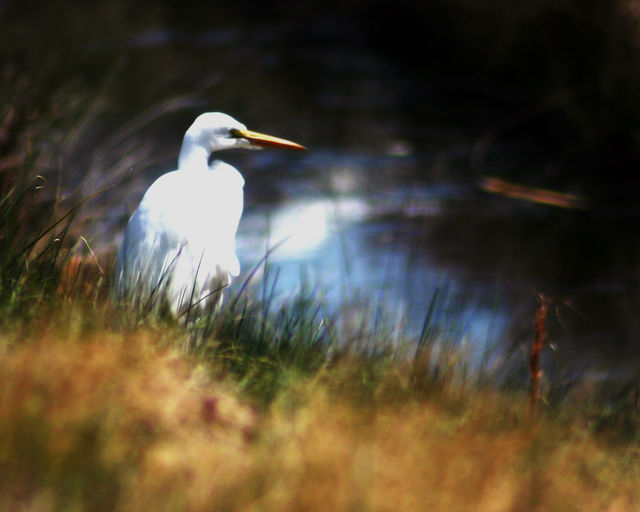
(299, 229)
(384, 208)
(351, 251)
(472, 263)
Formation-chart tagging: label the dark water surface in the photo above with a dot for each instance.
(384, 210)
(472, 262)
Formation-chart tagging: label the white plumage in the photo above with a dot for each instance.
(179, 245)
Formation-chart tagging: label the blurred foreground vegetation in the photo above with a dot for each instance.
(113, 421)
(273, 406)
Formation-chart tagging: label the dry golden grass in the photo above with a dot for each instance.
(416, 456)
(125, 422)
(115, 421)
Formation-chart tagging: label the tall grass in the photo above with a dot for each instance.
(264, 406)
(30, 250)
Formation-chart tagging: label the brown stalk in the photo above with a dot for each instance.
(539, 341)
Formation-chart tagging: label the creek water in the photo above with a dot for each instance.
(469, 265)
(384, 210)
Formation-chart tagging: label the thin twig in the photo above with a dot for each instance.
(539, 341)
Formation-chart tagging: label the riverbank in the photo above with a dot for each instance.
(98, 415)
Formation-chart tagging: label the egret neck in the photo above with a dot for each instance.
(193, 155)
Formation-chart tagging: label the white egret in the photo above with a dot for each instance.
(179, 244)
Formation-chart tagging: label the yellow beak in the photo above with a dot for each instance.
(263, 140)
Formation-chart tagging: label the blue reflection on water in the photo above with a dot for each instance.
(349, 257)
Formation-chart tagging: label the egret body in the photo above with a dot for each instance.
(179, 244)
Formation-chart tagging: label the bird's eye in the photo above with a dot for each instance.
(234, 133)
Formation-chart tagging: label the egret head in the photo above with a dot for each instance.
(213, 130)
(216, 131)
